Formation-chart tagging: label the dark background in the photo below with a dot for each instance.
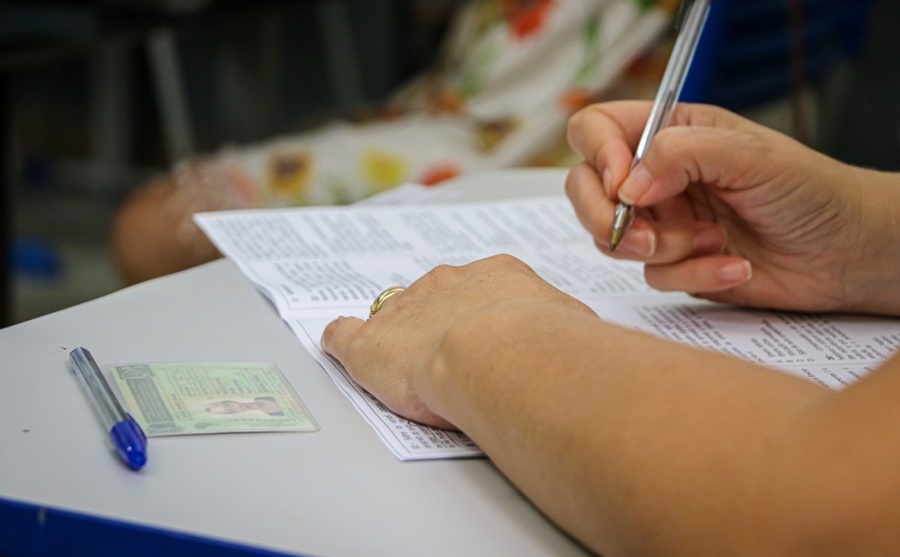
(251, 70)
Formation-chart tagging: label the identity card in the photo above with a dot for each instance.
(183, 398)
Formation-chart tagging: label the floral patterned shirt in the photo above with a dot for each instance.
(510, 74)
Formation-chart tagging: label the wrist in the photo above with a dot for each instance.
(484, 356)
(441, 384)
(872, 282)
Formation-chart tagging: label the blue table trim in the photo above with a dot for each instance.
(28, 530)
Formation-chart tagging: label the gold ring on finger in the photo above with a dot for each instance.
(382, 298)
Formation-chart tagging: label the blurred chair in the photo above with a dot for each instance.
(35, 33)
(106, 32)
(753, 52)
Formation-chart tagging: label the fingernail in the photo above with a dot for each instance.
(636, 185)
(737, 272)
(710, 239)
(639, 243)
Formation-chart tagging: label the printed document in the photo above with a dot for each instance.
(315, 264)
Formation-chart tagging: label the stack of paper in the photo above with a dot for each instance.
(318, 263)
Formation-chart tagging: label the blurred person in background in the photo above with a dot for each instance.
(508, 76)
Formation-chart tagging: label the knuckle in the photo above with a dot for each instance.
(668, 141)
(360, 338)
(510, 263)
(581, 125)
(655, 276)
(442, 272)
(437, 278)
(328, 332)
(758, 147)
(333, 337)
(574, 126)
(506, 260)
(575, 178)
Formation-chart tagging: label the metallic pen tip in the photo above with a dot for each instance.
(615, 239)
(621, 220)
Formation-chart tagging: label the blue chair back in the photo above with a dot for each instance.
(744, 57)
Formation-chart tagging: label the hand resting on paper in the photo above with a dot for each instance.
(395, 346)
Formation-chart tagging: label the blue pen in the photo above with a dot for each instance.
(126, 435)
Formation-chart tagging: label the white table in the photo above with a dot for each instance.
(335, 492)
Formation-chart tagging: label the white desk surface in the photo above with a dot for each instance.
(335, 492)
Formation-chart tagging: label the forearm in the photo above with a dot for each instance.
(635, 445)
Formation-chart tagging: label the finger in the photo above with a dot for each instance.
(341, 339)
(680, 156)
(700, 275)
(594, 126)
(596, 211)
(648, 240)
(607, 134)
(338, 336)
(667, 242)
(593, 206)
(388, 301)
(681, 207)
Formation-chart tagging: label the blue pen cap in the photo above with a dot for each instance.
(130, 442)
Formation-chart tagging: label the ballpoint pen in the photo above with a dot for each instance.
(690, 23)
(126, 435)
